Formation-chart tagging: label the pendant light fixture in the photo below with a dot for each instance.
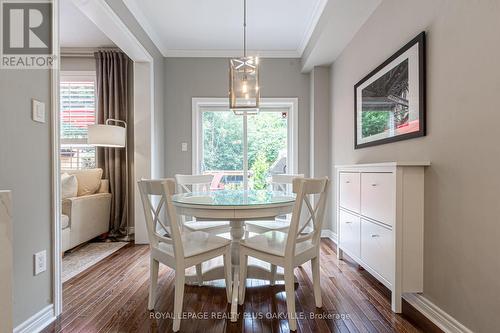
(244, 93)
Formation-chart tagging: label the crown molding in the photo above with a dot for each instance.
(137, 12)
(313, 21)
(230, 53)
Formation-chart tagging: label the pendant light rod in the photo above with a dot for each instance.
(244, 28)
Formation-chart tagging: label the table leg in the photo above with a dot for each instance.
(237, 232)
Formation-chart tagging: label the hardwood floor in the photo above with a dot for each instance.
(112, 297)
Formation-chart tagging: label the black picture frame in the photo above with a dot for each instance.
(420, 40)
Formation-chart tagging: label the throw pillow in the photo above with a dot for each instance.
(69, 186)
(89, 180)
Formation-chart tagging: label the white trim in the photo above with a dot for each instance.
(313, 22)
(327, 233)
(56, 210)
(435, 314)
(38, 321)
(136, 11)
(292, 104)
(72, 76)
(228, 53)
(111, 25)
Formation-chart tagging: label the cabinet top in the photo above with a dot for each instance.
(386, 164)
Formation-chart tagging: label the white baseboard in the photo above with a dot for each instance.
(38, 321)
(327, 233)
(435, 314)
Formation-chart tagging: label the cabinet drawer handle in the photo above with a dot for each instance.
(347, 181)
(348, 222)
(374, 184)
(375, 235)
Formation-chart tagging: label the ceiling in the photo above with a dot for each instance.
(205, 28)
(77, 31)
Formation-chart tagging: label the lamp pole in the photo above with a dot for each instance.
(128, 237)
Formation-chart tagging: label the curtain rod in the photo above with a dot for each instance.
(81, 52)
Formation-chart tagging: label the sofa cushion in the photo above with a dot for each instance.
(69, 186)
(64, 221)
(89, 180)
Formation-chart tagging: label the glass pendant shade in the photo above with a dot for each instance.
(244, 93)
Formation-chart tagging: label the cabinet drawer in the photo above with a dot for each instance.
(349, 191)
(377, 248)
(378, 196)
(350, 233)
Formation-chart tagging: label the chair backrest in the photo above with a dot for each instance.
(304, 188)
(156, 194)
(280, 182)
(193, 183)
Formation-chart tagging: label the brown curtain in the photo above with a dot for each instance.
(112, 103)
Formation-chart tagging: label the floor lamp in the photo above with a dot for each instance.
(113, 136)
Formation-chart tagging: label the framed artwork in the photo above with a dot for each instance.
(389, 103)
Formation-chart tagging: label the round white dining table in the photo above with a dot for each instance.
(234, 206)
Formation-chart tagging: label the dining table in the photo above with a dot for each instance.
(235, 206)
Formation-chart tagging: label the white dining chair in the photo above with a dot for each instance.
(174, 247)
(280, 182)
(294, 248)
(199, 183)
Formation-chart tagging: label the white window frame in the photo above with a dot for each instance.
(76, 76)
(200, 104)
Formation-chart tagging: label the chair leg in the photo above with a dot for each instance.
(153, 282)
(273, 275)
(199, 274)
(227, 275)
(180, 279)
(243, 277)
(290, 298)
(316, 281)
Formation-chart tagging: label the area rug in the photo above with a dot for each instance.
(76, 262)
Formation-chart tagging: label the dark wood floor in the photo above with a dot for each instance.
(112, 297)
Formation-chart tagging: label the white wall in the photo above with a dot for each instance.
(462, 187)
(25, 168)
(186, 78)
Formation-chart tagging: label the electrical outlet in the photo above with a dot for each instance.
(184, 146)
(40, 261)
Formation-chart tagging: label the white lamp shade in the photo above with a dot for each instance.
(107, 136)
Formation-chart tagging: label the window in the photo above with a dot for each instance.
(243, 152)
(78, 111)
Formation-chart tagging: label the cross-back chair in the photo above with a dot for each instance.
(174, 247)
(289, 250)
(280, 182)
(199, 183)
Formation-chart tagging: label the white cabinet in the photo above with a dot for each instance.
(350, 227)
(349, 191)
(378, 196)
(377, 248)
(380, 222)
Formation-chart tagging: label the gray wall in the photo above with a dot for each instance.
(186, 78)
(462, 187)
(320, 156)
(25, 169)
(85, 64)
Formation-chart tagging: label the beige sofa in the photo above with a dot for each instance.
(85, 215)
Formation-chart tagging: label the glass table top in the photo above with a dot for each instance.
(235, 198)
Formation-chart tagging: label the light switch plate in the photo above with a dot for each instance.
(38, 111)
(184, 146)
(40, 262)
